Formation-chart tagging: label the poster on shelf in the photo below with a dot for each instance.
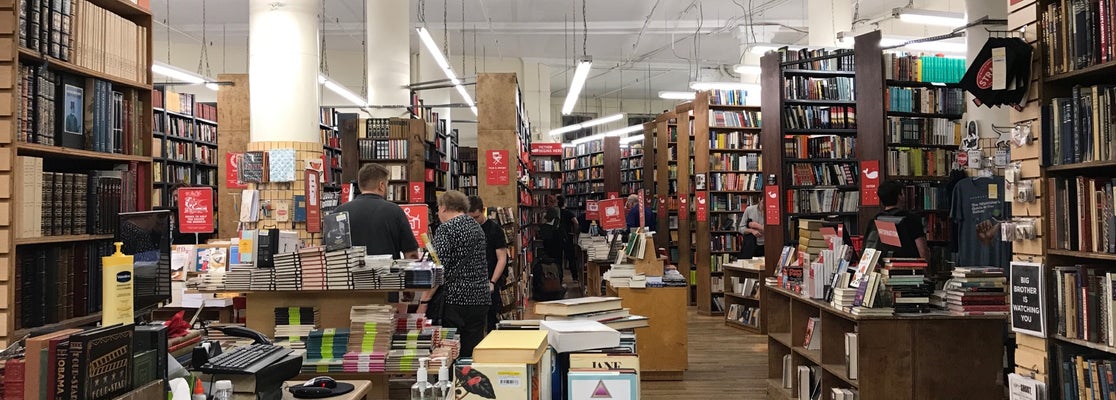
(417, 192)
(771, 203)
(1027, 302)
(546, 149)
(701, 206)
(195, 210)
(870, 182)
(612, 214)
(418, 216)
(313, 201)
(496, 166)
(232, 171)
(683, 208)
(592, 210)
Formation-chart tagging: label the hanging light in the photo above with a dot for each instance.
(676, 95)
(747, 69)
(616, 132)
(578, 82)
(177, 74)
(930, 17)
(342, 91)
(587, 124)
(440, 59)
(701, 86)
(632, 139)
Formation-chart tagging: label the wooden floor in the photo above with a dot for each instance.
(725, 363)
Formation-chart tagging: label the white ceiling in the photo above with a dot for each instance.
(629, 40)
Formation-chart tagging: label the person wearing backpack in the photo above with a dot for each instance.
(546, 272)
(912, 235)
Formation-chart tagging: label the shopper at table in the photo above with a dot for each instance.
(377, 224)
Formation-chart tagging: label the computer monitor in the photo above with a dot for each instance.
(147, 238)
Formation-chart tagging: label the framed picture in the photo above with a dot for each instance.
(73, 118)
(699, 181)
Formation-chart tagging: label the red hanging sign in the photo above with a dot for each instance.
(613, 195)
(592, 210)
(195, 210)
(546, 149)
(496, 166)
(683, 208)
(701, 206)
(662, 205)
(771, 203)
(232, 171)
(346, 192)
(870, 182)
(642, 213)
(417, 192)
(313, 201)
(418, 216)
(612, 214)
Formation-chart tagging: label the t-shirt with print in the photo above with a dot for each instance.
(460, 244)
(978, 208)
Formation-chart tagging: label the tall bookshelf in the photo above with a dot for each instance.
(467, 170)
(683, 187)
(631, 169)
(585, 173)
(546, 172)
(667, 181)
(399, 145)
(184, 144)
(65, 294)
(329, 126)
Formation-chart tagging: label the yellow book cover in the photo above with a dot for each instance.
(117, 287)
(511, 346)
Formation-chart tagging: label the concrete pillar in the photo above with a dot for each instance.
(283, 70)
(535, 85)
(826, 18)
(975, 38)
(388, 23)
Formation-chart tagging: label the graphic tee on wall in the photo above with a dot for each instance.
(978, 208)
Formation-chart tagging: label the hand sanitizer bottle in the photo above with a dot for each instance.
(422, 389)
(443, 389)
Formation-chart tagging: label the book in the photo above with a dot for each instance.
(38, 365)
(337, 231)
(581, 305)
(249, 205)
(569, 336)
(101, 362)
(812, 325)
(585, 385)
(852, 355)
(480, 380)
(629, 322)
(512, 346)
(253, 167)
(600, 316)
(281, 165)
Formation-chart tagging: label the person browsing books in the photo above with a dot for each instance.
(751, 226)
(496, 245)
(464, 296)
(912, 235)
(633, 214)
(377, 224)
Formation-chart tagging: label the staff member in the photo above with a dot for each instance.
(912, 235)
(496, 245)
(377, 224)
(466, 292)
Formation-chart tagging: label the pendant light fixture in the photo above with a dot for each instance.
(584, 65)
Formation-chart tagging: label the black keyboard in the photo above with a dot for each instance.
(245, 360)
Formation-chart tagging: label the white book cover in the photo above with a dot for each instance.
(805, 382)
(249, 205)
(1024, 388)
(788, 379)
(852, 359)
(578, 335)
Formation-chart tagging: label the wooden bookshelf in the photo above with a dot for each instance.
(586, 173)
(684, 194)
(467, 167)
(184, 146)
(329, 126)
(750, 305)
(546, 172)
(665, 127)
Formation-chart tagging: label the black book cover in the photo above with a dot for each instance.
(337, 233)
(62, 370)
(252, 167)
(70, 102)
(103, 361)
(268, 241)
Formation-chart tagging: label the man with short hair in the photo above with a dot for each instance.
(912, 235)
(633, 214)
(377, 224)
(496, 255)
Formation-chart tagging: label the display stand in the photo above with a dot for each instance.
(662, 346)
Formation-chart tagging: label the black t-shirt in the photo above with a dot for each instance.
(494, 235)
(565, 221)
(379, 225)
(909, 228)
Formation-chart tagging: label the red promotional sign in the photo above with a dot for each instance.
(592, 210)
(772, 205)
(346, 192)
(870, 182)
(232, 171)
(496, 164)
(195, 210)
(417, 192)
(418, 215)
(613, 195)
(546, 149)
(313, 202)
(642, 213)
(701, 206)
(889, 233)
(612, 214)
(829, 233)
(683, 208)
(662, 205)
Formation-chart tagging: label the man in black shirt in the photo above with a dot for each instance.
(377, 224)
(496, 255)
(912, 235)
(568, 225)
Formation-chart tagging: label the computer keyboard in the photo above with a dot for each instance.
(245, 360)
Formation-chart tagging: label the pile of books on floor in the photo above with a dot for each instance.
(294, 324)
(906, 282)
(977, 291)
(370, 331)
(606, 310)
(325, 350)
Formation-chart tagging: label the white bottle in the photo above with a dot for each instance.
(223, 390)
(422, 389)
(443, 389)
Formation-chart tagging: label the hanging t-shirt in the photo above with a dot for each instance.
(978, 208)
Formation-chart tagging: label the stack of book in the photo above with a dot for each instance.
(239, 277)
(311, 263)
(906, 282)
(262, 279)
(606, 310)
(843, 297)
(977, 291)
(323, 349)
(810, 239)
(293, 325)
(339, 265)
(620, 275)
(286, 272)
(369, 338)
(868, 300)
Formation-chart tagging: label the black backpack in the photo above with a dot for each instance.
(546, 280)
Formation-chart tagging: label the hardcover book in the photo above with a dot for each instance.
(337, 236)
(71, 131)
(101, 362)
(299, 208)
(252, 167)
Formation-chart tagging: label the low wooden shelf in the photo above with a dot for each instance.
(663, 346)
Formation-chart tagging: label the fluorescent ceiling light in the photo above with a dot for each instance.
(440, 59)
(930, 17)
(670, 95)
(763, 49)
(631, 139)
(587, 124)
(342, 91)
(939, 47)
(722, 86)
(747, 69)
(578, 82)
(181, 75)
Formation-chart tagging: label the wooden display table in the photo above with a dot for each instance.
(902, 357)
(360, 391)
(594, 271)
(662, 346)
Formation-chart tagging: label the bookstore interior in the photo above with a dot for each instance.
(705, 199)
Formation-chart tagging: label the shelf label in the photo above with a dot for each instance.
(701, 206)
(232, 171)
(612, 214)
(592, 210)
(870, 182)
(195, 210)
(1027, 302)
(313, 201)
(416, 192)
(546, 149)
(496, 166)
(771, 205)
(418, 216)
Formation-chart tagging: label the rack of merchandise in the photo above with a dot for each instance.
(51, 247)
(183, 144)
(331, 149)
(727, 179)
(631, 169)
(467, 170)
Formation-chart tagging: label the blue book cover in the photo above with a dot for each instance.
(299, 208)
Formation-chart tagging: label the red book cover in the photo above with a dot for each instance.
(14, 375)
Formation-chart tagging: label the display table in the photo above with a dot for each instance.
(662, 346)
(594, 270)
(360, 391)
